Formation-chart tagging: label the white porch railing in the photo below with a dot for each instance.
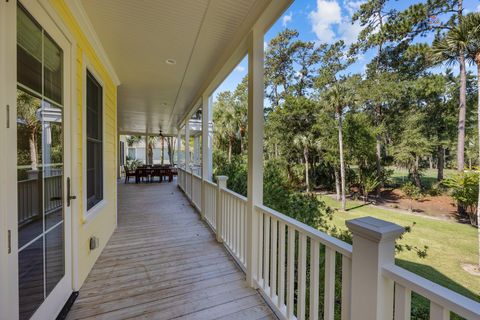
(304, 273)
(196, 193)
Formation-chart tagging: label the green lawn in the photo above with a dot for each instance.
(450, 244)
(429, 176)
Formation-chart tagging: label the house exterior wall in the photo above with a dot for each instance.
(102, 222)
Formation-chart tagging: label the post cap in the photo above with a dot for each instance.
(222, 178)
(374, 229)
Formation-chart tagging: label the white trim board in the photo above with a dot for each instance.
(81, 16)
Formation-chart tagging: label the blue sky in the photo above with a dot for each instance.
(324, 21)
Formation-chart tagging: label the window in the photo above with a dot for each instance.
(94, 142)
(122, 153)
(132, 154)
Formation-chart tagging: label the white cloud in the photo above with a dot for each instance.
(330, 25)
(478, 8)
(327, 14)
(352, 5)
(287, 19)
(349, 32)
(239, 68)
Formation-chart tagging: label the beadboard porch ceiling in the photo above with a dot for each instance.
(140, 36)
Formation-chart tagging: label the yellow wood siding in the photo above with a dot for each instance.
(104, 223)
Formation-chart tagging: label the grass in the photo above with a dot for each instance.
(450, 245)
(428, 176)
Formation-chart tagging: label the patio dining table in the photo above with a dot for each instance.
(149, 173)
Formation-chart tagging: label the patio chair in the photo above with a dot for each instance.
(128, 173)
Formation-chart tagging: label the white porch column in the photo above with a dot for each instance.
(187, 151)
(373, 248)
(179, 147)
(206, 150)
(207, 137)
(255, 147)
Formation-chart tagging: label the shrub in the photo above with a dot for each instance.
(464, 189)
(412, 192)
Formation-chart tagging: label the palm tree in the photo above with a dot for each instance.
(451, 53)
(27, 106)
(305, 141)
(335, 98)
(467, 37)
(152, 140)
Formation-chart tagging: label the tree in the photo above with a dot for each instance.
(131, 140)
(305, 142)
(27, 106)
(339, 97)
(336, 94)
(466, 39)
(420, 19)
(412, 144)
(152, 140)
(171, 141)
(371, 16)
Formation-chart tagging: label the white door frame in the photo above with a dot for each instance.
(8, 159)
(46, 16)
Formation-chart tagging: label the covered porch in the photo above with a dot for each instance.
(163, 262)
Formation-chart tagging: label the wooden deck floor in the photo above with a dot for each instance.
(164, 263)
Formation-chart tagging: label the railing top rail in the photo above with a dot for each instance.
(442, 296)
(327, 240)
(197, 176)
(234, 194)
(210, 183)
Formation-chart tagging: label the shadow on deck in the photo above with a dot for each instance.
(163, 262)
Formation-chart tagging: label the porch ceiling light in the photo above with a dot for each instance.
(170, 61)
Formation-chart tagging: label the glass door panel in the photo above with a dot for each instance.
(40, 164)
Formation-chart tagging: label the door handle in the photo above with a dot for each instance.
(70, 197)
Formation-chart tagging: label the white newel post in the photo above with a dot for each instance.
(256, 88)
(221, 183)
(373, 248)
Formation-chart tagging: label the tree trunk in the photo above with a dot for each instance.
(415, 174)
(229, 150)
(430, 162)
(32, 141)
(342, 164)
(305, 155)
(150, 153)
(440, 162)
(170, 149)
(477, 61)
(463, 105)
(379, 158)
(337, 184)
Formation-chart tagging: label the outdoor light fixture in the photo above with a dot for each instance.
(170, 61)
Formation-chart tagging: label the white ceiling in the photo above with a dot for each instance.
(139, 36)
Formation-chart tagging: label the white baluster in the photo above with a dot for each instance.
(403, 298)
(290, 271)
(437, 312)
(314, 278)
(273, 260)
(221, 183)
(346, 287)
(329, 301)
(302, 276)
